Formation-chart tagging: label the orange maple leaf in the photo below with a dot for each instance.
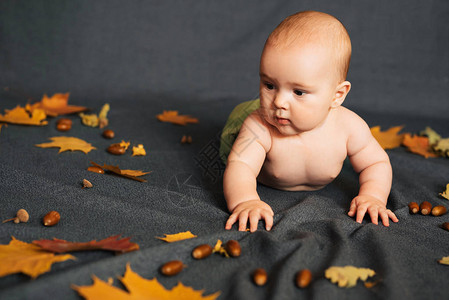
(388, 139)
(57, 105)
(173, 117)
(419, 145)
(20, 115)
(177, 236)
(26, 258)
(112, 243)
(66, 143)
(139, 288)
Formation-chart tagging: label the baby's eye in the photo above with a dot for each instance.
(269, 86)
(298, 92)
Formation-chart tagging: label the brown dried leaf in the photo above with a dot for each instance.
(112, 243)
(124, 173)
(134, 172)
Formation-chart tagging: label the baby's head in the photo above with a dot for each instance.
(303, 70)
(319, 28)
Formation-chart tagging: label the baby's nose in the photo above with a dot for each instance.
(280, 101)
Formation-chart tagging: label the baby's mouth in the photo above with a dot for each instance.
(282, 121)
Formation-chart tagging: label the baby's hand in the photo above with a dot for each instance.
(254, 210)
(364, 203)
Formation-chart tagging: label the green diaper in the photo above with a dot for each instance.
(233, 124)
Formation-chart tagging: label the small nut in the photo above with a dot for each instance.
(413, 207)
(116, 149)
(22, 215)
(202, 251)
(95, 169)
(64, 124)
(86, 184)
(260, 276)
(439, 210)
(303, 278)
(172, 267)
(108, 134)
(52, 218)
(425, 208)
(232, 247)
(445, 226)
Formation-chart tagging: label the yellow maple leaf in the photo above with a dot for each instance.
(125, 144)
(26, 258)
(20, 115)
(66, 143)
(169, 238)
(347, 276)
(445, 194)
(442, 146)
(172, 116)
(90, 120)
(388, 139)
(433, 136)
(139, 288)
(139, 150)
(444, 260)
(419, 145)
(218, 248)
(94, 120)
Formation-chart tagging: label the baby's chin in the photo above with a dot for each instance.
(283, 127)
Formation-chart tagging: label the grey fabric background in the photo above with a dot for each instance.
(201, 58)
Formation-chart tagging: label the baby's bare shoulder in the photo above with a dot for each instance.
(356, 129)
(255, 127)
(351, 122)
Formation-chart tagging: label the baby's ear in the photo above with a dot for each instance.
(340, 94)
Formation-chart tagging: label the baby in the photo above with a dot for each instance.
(303, 134)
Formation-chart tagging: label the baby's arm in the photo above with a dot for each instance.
(239, 183)
(371, 161)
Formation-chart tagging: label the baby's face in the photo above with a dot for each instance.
(297, 86)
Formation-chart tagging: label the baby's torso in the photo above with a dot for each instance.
(306, 162)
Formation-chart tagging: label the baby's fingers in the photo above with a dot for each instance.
(361, 211)
(374, 215)
(388, 214)
(352, 209)
(231, 220)
(243, 220)
(392, 216)
(268, 217)
(254, 218)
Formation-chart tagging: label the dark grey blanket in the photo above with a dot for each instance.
(201, 58)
